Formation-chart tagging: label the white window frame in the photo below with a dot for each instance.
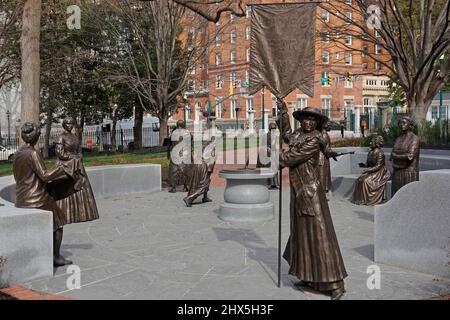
(233, 104)
(248, 54)
(348, 40)
(326, 106)
(247, 32)
(233, 56)
(325, 57)
(218, 59)
(378, 49)
(325, 15)
(233, 37)
(348, 58)
(219, 109)
(348, 84)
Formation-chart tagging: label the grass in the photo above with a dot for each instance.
(102, 160)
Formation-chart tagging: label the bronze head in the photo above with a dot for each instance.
(377, 142)
(405, 123)
(69, 123)
(30, 133)
(180, 124)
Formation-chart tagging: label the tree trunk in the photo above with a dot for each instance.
(163, 132)
(80, 129)
(113, 132)
(29, 45)
(48, 128)
(137, 129)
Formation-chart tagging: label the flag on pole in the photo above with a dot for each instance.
(282, 47)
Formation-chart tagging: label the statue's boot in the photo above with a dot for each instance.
(337, 294)
(188, 202)
(206, 199)
(58, 260)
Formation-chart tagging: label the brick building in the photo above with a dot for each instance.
(218, 82)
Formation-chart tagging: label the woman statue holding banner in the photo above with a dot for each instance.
(312, 250)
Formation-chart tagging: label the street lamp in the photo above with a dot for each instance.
(8, 114)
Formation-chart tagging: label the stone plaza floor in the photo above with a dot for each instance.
(151, 246)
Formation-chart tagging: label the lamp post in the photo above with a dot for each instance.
(237, 117)
(263, 91)
(8, 114)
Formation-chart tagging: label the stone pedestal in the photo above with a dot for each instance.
(246, 196)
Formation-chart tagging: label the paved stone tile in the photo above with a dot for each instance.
(151, 246)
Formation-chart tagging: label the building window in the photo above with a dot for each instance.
(348, 17)
(219, 107)
(247, 33)
(325, 36)
(325, 15)
(232, 17)
(192, 69)
(377, 66)
(219, 81)
(233, 56)
(204, 85)
(248, 54)
(247, 76)
(366, 102)
(218, 41)
(348, 84)
(364, 51)
(348, 58)
(248, 13)
(233, 37)
(326, 106)
(338, 56)
(377, 33)
(302, 103)
(233, 106)
(233, 76)
(384, 83)
(249, 104)
(371, 82)
(218, 60)
(377, 49)
(325, 57)
(348, 39)
(325, 75)
(348, 1)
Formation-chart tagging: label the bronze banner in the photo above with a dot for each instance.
(282, 49)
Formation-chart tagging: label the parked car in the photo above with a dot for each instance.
(6, 153)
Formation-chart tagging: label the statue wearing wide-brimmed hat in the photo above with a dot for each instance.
(312, 250)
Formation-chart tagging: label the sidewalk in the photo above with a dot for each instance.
(150, 246)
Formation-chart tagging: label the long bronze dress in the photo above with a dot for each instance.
(324, 162)
(31, 177)
(312, 250)
(406, 161)
(80, 206)
(369, 187)
(201, 172)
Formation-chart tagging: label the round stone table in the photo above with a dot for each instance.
(247, 196)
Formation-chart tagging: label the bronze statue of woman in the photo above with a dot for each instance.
(80, 206)
(31, 185)
(312, 251)
(369, 187)
(405, 156)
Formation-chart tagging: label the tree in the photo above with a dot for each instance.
(10, 14)
(414, 35)
(211, 10)
(29, 45)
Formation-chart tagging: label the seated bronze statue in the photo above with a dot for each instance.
(369, 187)
(405, 156)
(31, 185)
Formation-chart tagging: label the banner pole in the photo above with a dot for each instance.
(280, 202)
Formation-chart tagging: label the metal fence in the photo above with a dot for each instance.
(92, 140)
